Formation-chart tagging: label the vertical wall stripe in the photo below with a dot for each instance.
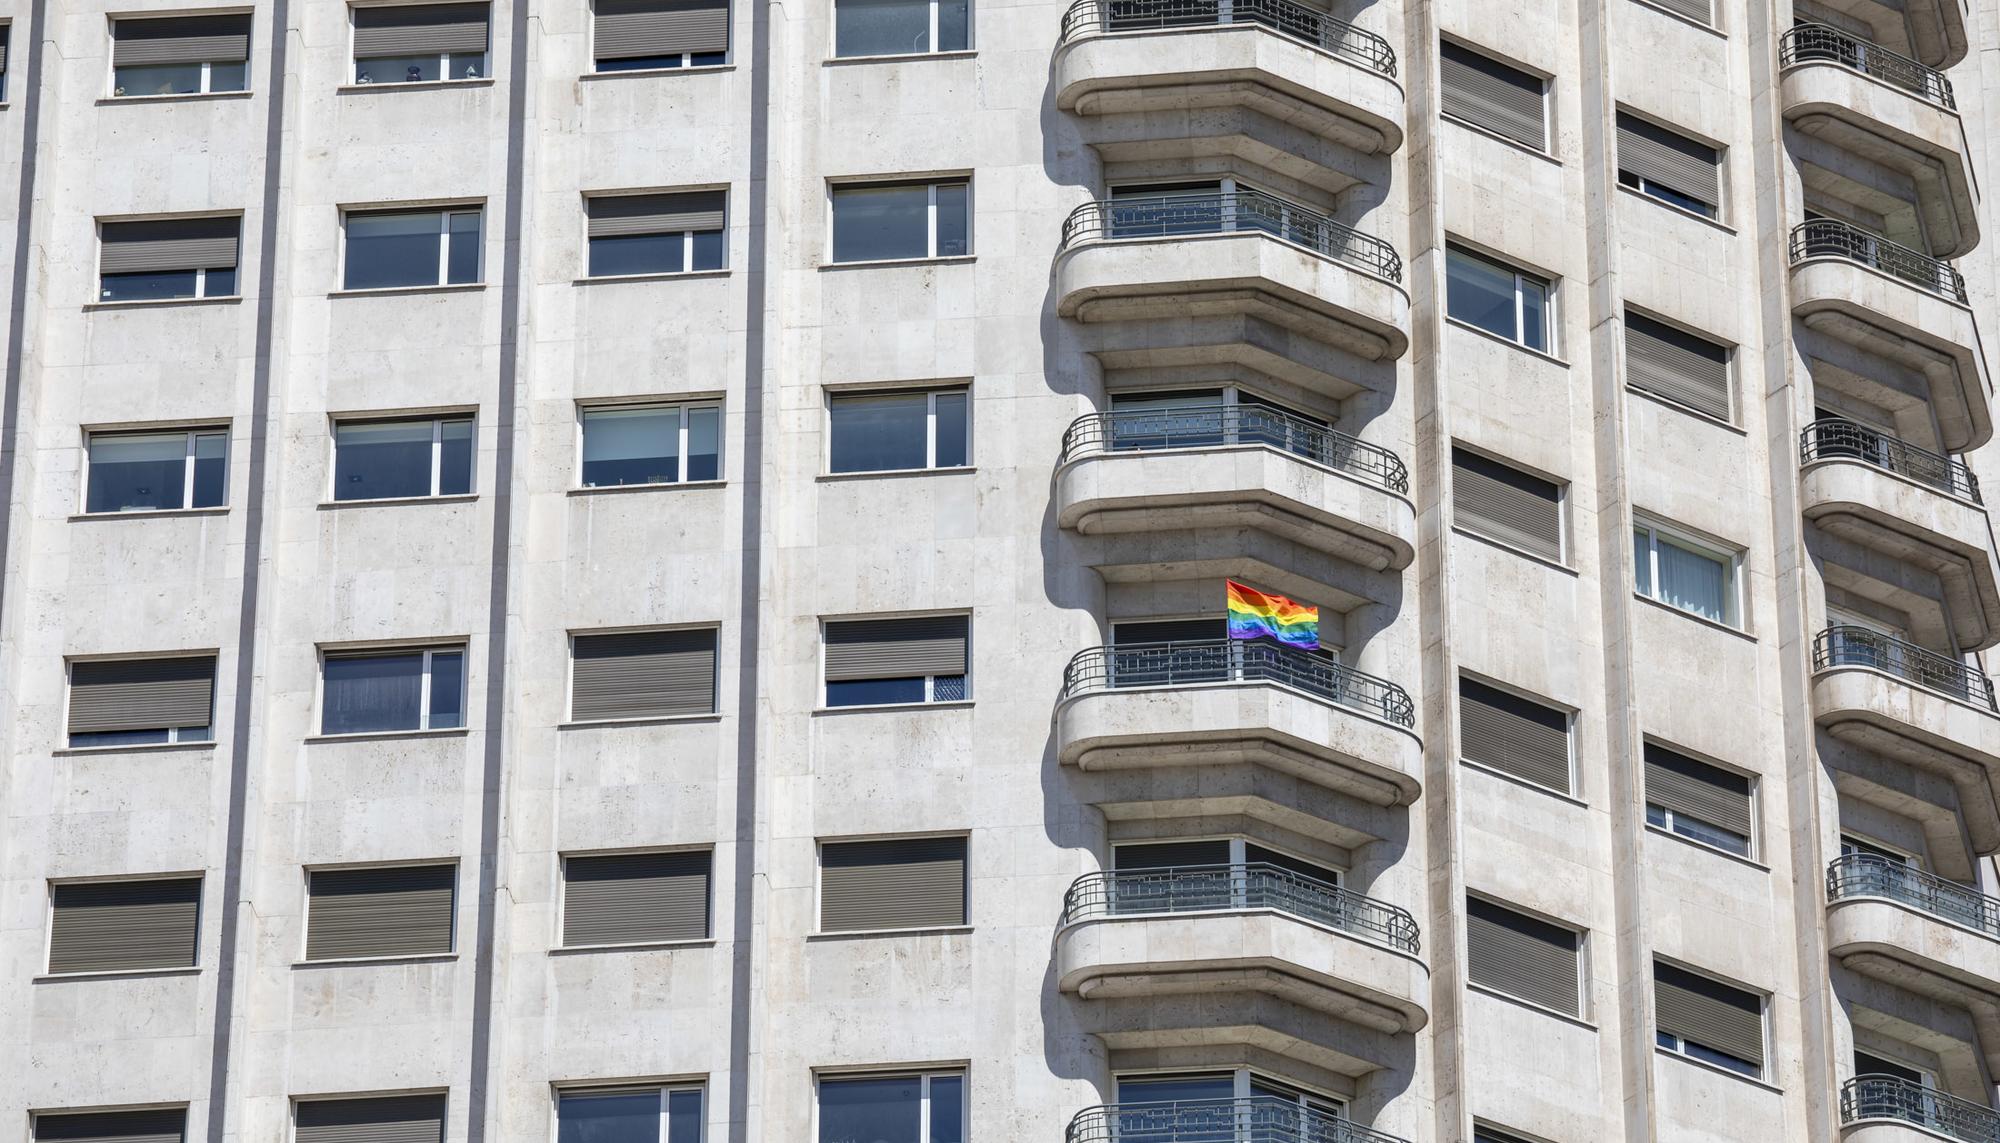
(17, 335)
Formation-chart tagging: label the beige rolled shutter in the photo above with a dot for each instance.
(419, 30)
(895, 648)
(619, 215)
(1679, 366)
(384, 1119)
(633, 898)
(1506, 504)
(1673, 161)
(906, 883)
(1696, 10)
(1697, 790)
(1492, 95)
(630, 29)
(1708, 1013)
(1513, 735)
(1521, 956)
(109, 695)
(154, 245)
(158, 1125)
(643, 674)
(180, 40)
(124, 926)
(402, 910)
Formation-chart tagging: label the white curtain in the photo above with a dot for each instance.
(1693, 581)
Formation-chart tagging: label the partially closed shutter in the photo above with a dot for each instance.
(1506, 504)
(1679, 366)
(1492, 95)
(896, 648)
(1521, 956)
(643, 674)
(402, 910)
(1513, 735)
(156, 245)
(6, 39)
(617, 215)
(1170, 854)
(419, 29)
(1673, 161)
(1696, 10)
(385, 1119)
(180, 40)
(159, 1125)
(630, 898)
(108, 695)
(124, 926)
(630, 29)
(906, 883)
(1708, 1013)
(1697, 790)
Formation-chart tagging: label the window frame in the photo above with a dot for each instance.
(931, 183)
(173, 737)
(111, 89)
(666, 1089)
(930, 36)
(445, 211)
(1551, 315)
(444, 58)
(192, 432)
(1565, 555)
(961, 1073)
(1243, 1081)
(1571, 716)
(305, 925)
(561, 943)
(1547, 149)
(1680, 1043)
(819, 884)
(429, 650)
(1729, 360)
(1752, 844)
(1733, 616)
(687, 406)
(437, 423)
(831, 397)
(201, 293)
(569, 674)
(930, 681)
(686, 236)
(1660, 192)
(1580, 949)
(49, 885)
(687, 58)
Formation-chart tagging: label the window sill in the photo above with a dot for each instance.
(116, 974)
(636, 946)
(395, 291)
(1684, 212)
(1497, 137)
(661, 276)
(132, 748)
(882, 473)
(1707, 848)
(645, 72)
(382, 735)
(1718, 1069)
(877, 263)
(420, 85)
(1690, 21)
(1509, 342)
(184, 97)
(863, 934)
(455, 498)
(413, 958)
(1525, 784)
(844, 61)
(1541, 1009)
(644, 720)
(1512, 550)
(1704, 620)
(956, 704)
(1697, 414)
(147, 514)
(615, 489)
(155, 303)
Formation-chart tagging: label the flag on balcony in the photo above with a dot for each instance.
(1255, 614)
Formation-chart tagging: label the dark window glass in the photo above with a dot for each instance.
(384, 459)
(684, 1117)
(881, 27)
(947, 1109)
(447, 690)
(704, 460)
(706, 250)
(211, 470)
(952, 438)
(462, 266)
(397, 69)
(369, 693)
(870, 692)
(220, 283)
(137, 472)
(228, 76)
(454, 458)
(393, 248)
(636, 254)
(620, 1117)
(150, 286)
(879, 432)
(631, 446)
(878, 1110)
(954, 35)
(879, 222)
(953, 225)
(157, 79)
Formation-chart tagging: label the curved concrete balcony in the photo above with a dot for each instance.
(1935, 28)
(1896, 303)
(1208, 702)
(1178, 257)
(1227, 466)
(1243, 928)
(1251, 1119)
(1915, 506)
(1890, 1109)
(1890, 110)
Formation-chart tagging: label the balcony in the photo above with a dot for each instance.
(1901, 305)
(1915, 506)
(1224, 701)
(1934, 29)
(1889, 110)
(1884, 1109)
(1228, 466)
(1253, 1119)
(1171, 258)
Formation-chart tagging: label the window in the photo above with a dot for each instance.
(419, 43)
(1871, 1064)
(900, 27)
(630, 35)
(1523, 957)
(123, 926)
(379, 1119)
(157, 472)
(1166, 1108)
(1696, 10)
(1513, 735)
(1702, 1018)
(629, 445)
(179, 55)
(899, 431)
(157, 1125)
(875, 222)
(637, 1114)
(380, 911)
(402, 459)
(1685, 573)
(875, 661)
(6, 41)
(1670, 167)
(655, 233)
(915, 1108)
(635, 898)
(1697, 800)
(1676, 366)
(1484, 1134)
(642, 674)
(167, 259)
(1507, 505)
(898, 883)
(1497, 298)
(381, 692)
(387, 249)
(1487, 93)
(1261, 878)
(139, 702)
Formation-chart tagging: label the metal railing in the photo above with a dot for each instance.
(1872, 875)
(1217, 425)
(1254, 885)
(1892, 1097)
(1223, 212)
(1830, 238)
(1317, 673)
(1822, 43)
(1288, 17)
(1840, 439)
(1255, 1119)
(1841, 646)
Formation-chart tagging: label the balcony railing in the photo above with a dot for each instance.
(1256, 1119)
(1840, 646)
(1830, 238)
(1223, 212)
(1872, 875)
(1820, 43)
(1283, 16)
(1892, 1097)
(1131, 665)
(1217, 425)
(1846, 440)
(1216, 888)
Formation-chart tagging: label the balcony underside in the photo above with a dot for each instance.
(1234, 1028)
(1245, 554)
(1932, 31)
(1922, 954)
(1238, 347)
(1239, 790)
(1904, 722)
(1955, 810)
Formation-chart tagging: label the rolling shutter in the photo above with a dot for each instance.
(1521, 956)
(1678, 163)
(906, 883)
(388, 1119)
(1507, 505)
(632, 898)
(159, 1125)
(643, 674)
(109, 695)
(1696, 10)
(124, 926)
(1697, 790)
(157, 245)
(1512, 735)
(6, 40)
(1490, 94)
(419, 30)
(618, 215)
(402, 910)
(1679, 366)
(631, 29)
(1709, 1013)
(896, 648)
(1170, 854)
(180, 40)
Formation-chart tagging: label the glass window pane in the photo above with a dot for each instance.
(684, 1117)
(384, 459)
(397, 69)
(635, 254)
(447, 690)
(157, 79)
(1534, 315)
(626, 1117)
(228, 76)
(221, 283)
(954, 25)
(1693, 581)
(952, 438)
(367, 693)
(707, 250)
(631, 446)
(947, 1109)
(881, 27)
(468, 66)
(1642, 561)
(1480, 293)
(455, 457)
(147, 287)
(873, 692)
(704, 460)
(879, 433)
(392, 249)
(954, 226)
(211, 470)
(464, 252)
(885, 1110)
(137, 472)
(871, 222)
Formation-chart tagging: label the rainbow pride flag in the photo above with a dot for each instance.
(1254, 614)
